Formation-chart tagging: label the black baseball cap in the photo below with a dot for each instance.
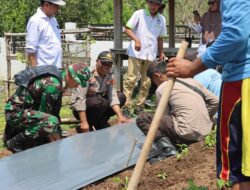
(105, 56)
(157, 1)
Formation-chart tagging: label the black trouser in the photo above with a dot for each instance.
(166, 128)
(99, 111)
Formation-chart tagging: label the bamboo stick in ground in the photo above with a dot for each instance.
(154, 126)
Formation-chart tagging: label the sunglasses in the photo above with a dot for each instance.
(107, 64)
(211, 3)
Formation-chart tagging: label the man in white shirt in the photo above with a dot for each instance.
(43, 39)
(146, 28)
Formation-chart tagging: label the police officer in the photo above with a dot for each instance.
(94, 105)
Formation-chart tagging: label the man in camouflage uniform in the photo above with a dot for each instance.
(32, 112)
(96, 103)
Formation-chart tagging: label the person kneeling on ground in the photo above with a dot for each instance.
(95, 104)
(32, 112)
(187, 117)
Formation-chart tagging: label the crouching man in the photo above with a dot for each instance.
(32, 112)
(96, 103)
(187, 117)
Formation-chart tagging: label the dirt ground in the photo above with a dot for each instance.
(198, 165)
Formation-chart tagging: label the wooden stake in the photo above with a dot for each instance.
(131, 152)
(133, 183)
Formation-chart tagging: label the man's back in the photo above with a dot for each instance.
(190, 111)
(211, 79)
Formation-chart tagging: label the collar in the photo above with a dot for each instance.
(42, 14)
(148, 13)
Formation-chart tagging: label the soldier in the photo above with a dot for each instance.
(32, 112)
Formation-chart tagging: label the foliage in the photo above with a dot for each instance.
(221, 184)
(2, 103)
(162, 175)
(192, 186)
(184, 10)
(123, 182)
(14, 14)
(21, 58)
(2, 118)
(182, 151)
(81, 12)
(210, 139)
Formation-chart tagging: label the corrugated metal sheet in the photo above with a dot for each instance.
(73, 162)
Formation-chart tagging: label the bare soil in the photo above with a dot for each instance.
(198, 165)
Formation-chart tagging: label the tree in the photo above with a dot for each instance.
(14, 14)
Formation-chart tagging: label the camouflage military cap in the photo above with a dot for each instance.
(80, 73)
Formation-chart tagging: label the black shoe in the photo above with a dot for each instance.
(138, 110)
(17, 143)
(126, 112)
(10, 132)
(164, 148)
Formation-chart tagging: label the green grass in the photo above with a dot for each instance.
(2, 116)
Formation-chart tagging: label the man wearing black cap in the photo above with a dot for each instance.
(190, 107)
(43, 39)
(96, 103)
(146, 28)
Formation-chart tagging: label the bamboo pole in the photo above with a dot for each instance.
(154, 126)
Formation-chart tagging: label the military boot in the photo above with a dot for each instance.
(9, 132)
(17, 143)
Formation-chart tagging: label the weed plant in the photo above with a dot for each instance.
(192, 186)
(182, 151)
(122, 182)
(210, 139)
(162, 175)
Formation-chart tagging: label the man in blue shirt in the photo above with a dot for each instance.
(232, 51)
(211, 79)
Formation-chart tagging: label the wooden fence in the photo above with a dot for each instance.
(15, 44)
